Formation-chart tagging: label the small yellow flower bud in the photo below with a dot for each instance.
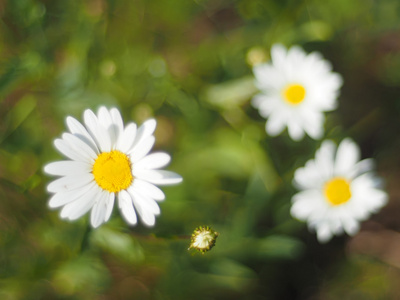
(256, 56)
(203, 239)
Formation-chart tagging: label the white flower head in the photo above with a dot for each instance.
(296, 89)
(337, 190)
(107, 160)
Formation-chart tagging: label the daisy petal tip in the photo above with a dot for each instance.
(131, 222)
(317, 135)
(297, 137)
(116, 112)
(130, 219)
(52, 205)
(272, 132)
(95, 225)
(47, 169)
(293, 211)
(179, 179)
(49, 188)
(149, 224)
(151, 124)
(57, 142)
(278, 47)
(69, 120)
(151, 121)
(87, 111)
(174, 179)
(324, 238)
(102, 108)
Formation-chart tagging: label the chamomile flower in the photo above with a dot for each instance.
(337, 190)
(296, 89)
(108, 161)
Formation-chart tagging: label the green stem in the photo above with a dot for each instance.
(85, 238)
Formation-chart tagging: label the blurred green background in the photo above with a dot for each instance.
(188, 64)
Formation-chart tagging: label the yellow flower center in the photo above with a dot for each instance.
(294, 93)
(337, 191)
(112, 171)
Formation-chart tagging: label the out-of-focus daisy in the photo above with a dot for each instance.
(296, 89)
(337, 190)
(108, 160)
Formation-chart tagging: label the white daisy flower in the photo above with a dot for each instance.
(108, 160)
(337, 190)
(296, 89)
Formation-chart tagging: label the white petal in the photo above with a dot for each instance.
(153, 161)
(97, 131)
(68, 183)
(363, 166)
(159, 177)
(348, 154)
(80, 206)
(68, 167)
(147, 203)
(141, 149)
(324, 157)
(126, 139)
(99, 210)
(351, 226)
(313, 123)
(296, 132)
(267, 78)
(80, 146)
(258, 100)
(118, 123)
(275, 124)
(271, 105)
(366, 195)
(105, 119)
(110, 205)
(91, 123)
(146, 130)
(76, 128)
(126, 206)
(145, 188)
(117, 120)
(66, 149)
(324, 233)
(62, 198)
(305, 203)
(308, 177)
(278, 54)
(145, 214)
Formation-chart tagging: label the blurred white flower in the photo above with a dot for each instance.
(296, 89)
(337, 190)
(108, 160)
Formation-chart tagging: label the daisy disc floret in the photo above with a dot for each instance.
(338, 191)
(295, 91)
(107, 160)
